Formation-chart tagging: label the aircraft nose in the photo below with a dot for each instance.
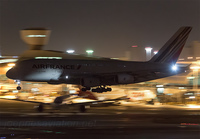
(13, 74)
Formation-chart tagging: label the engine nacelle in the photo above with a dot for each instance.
(58, 100)
(90, 82)
(125, 79)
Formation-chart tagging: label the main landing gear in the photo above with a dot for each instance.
(99, 89)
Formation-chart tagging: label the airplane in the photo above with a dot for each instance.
(96, 73)
(83, 99)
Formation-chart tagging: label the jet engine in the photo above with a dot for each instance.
(59, 100)
(125, 79)
(90, 82)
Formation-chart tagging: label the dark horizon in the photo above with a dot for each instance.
(108, 27)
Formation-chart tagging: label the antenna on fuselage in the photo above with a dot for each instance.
(36, 38)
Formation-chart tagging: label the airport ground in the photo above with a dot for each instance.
(21, 120)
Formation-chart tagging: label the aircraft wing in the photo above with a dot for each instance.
(30, 101)
(82, 105)
(65, 103)
(66, 97)
(99, 101)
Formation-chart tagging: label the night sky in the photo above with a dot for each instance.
(109, 27)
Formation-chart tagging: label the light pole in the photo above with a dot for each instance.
(195, 70)
(148, 53)
(89, 52)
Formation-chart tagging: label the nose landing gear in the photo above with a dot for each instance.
(19, 88)
(18, 83)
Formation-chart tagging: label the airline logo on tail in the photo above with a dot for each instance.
(170, 52)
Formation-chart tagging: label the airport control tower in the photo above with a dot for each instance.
(36, 38)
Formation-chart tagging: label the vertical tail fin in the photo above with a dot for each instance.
(170, 52)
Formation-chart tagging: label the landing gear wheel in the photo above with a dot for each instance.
(40, 108)
(82, 108)
(109, 89)
(85, 89)
(19, 88)
(101, 89)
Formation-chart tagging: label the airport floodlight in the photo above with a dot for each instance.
(89, 52)
(70, 51)
(148, 49)
(148, 53)
(155, 52)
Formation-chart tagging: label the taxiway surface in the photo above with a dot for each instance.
(21, 120)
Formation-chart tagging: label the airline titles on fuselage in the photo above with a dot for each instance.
(49, 66)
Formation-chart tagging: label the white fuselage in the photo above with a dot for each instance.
(56, 68)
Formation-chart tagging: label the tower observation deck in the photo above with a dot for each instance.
(36, 38)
